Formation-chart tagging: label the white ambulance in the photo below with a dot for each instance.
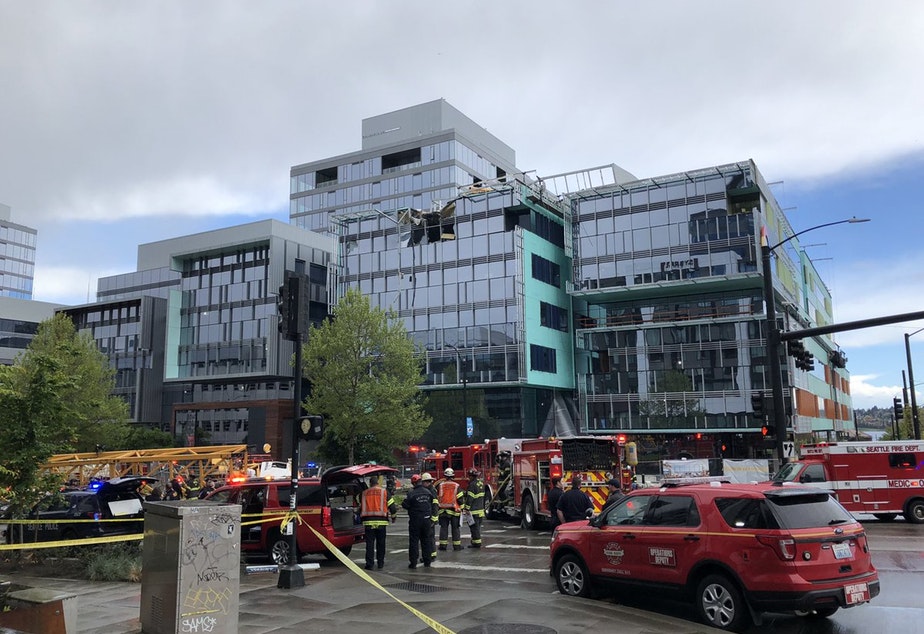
(882, 478)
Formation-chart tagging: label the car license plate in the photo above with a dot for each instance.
(856, 593)
(842, 551)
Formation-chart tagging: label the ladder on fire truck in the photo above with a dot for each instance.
(163, 464)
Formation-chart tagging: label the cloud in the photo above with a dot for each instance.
(67, 286)
(158, 110)
(864, 394)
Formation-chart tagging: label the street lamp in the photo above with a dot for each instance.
(916, 424)
(464, 386)
(773, 333)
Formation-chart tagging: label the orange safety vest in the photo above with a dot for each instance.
(447, 495)
(374, 503)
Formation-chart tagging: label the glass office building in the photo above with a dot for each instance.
(193, 333)
(17, 257)
(571, 304)
(671, 336)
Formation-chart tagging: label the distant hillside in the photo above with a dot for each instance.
(874, 418)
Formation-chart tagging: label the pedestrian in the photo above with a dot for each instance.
(208, 488)
(156, 495)
(554, 496)
(574, 504)
(375, 510)
(449, 496)
(615, 494)
(422, 511)
(474, 505)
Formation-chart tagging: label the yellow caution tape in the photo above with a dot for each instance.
(432, 623)
(86, 541)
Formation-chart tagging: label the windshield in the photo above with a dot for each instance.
(808, 511)
(587, 454)
(788, 473)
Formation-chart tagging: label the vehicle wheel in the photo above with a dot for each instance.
(529, 512)
(884, 517)
(915, 512)
(720, 604)
(279, 551)
(820, 613)
(343, 549)
(571, 577)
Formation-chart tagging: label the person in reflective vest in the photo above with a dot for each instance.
(422, 511)
(449, 497)
(375, 510)
(474, 505)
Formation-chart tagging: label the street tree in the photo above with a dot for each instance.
(55, 398)
(364, 377)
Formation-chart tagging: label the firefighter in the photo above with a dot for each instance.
(503, 475)
(474, 505)
(422, 508)
(449, 496)
(376, 507)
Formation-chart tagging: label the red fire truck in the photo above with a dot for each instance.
(522, 490)
(482, 456)
(882, 478)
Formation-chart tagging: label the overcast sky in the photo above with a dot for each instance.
(126, 122)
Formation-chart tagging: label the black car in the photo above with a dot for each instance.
(77, 514)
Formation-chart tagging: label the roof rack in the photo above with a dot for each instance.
(680, 481)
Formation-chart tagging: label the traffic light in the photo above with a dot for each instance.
(898, 408)
(292, 307)
(768, 431)
(805, 360)
(282, 309)
(757, 405)
(310, 427)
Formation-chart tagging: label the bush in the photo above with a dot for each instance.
(113, 562)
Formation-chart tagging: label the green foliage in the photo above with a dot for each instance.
(146, 438)
(54, 399)
(364, 379)
(113, 562)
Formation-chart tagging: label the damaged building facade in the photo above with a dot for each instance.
(588, 302)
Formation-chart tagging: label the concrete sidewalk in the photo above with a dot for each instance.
(335, 599)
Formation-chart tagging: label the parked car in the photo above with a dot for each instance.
(329, 504)
(735, 550)
(76, 514)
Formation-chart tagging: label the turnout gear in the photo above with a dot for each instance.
(450, 498)
(474, 504)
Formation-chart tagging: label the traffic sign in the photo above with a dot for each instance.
(789, 449)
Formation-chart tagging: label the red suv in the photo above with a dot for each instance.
(329, 504)
(736, 550)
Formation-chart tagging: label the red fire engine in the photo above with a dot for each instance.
(518, 471)
(535, 461)
(882, 478)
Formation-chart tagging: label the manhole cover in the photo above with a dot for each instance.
(508, 628)
(414, 587)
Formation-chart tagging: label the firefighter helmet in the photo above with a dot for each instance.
(426, 477)
(449, 473)
(415, 479)
(473, 473)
